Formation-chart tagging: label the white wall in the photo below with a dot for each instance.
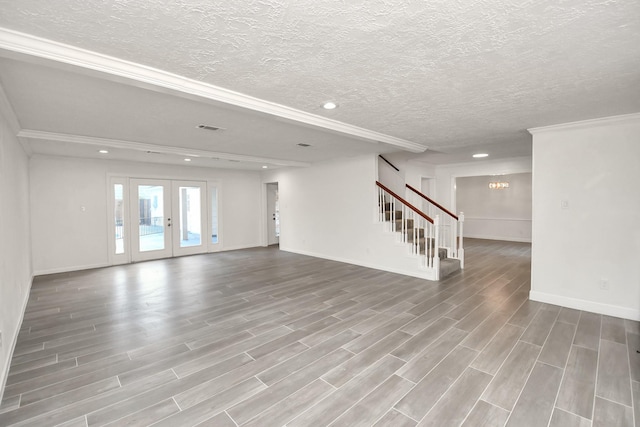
(594, 168)
(15, 237)
(329, 211)
(66, 237)
(496, 214)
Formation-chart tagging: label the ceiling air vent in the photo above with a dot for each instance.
(302, 144)
(208, 127)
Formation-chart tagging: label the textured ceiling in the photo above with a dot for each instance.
(442, 73)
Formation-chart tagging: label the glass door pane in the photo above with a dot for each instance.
(118, 190)
(151, 217)
(190, 218)
(189, 211)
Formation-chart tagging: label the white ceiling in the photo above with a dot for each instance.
(451, 76)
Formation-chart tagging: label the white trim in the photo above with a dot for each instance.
(70, 269)
(492, 237)
(419, 272)
(580, 304)
(468, 218)
(3, 380)
(144, 147)
(47, 49)
(602, 121)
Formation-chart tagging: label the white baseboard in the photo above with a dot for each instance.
(419, 273)
(5, 369)
(503, 238)
(585, 305)
(69, 269)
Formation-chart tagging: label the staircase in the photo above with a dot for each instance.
(438, 246)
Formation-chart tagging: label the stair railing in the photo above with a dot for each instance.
(451, 225)
(415, 227)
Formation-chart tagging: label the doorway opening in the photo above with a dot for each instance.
(273, 214)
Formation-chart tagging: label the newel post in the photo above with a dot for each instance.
(460, 243)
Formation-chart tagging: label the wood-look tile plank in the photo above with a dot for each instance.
(613, 329)
(342, 399)
(577, 390)
(249, 408)
(220, 420)
(416, 344)
(562, 418)
(207, 356)
(358, 363)
(60, 401)
(454, 406)
(496, 352)
(539, 328)
(481, 335)
(278, 372)
(633, 345)
(635, 389)
(588, 332)
(485, 414)
(421, 322)
(556, 349)
(148, 415)
(569, 315)
(424, 362)
(512, 375)
(525, 313)
(394, 418)
(296, 403)
(375, 335)
(203, 389)
(212, 406)
(535, 404)
(607, 414)
(366, 412)
(614, 380)
(430, 389)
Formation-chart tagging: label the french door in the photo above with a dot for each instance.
(168, 218)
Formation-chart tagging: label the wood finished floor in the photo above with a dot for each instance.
(262, 337)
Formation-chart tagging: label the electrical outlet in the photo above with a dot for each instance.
(604, 284)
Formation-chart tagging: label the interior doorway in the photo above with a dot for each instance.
(273, 214)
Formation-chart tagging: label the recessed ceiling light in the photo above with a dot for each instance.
(480, 155)
(103, 151)
(330, 105)
(187, 159)
(265, 167)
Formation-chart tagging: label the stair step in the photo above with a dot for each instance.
(448, 266)
(387, 215)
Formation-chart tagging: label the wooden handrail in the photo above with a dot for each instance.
(403, 201)
(433, 202)
(389, 163)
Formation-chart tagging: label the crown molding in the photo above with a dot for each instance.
(6, 111)
(26, 44)
(583, 124)
(144, 147)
